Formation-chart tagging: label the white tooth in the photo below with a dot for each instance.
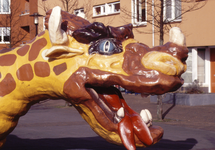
(120, 112)
(149, 114)
(144, 116)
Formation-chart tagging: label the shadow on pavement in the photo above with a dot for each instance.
(174, 145)
(88, 143)
(173, 105)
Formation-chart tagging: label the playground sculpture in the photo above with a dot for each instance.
(80, 62)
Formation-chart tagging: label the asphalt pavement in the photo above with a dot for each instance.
(51, 125)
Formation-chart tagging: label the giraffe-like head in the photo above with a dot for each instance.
(101, 57)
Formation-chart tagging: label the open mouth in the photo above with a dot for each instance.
(107, 112)
(110, 117)
(133, 129)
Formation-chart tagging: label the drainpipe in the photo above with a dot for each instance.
(153, 27)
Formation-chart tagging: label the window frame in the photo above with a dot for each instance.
(1, 7)
(80, 10)
(102, 11)
(173, 18)
(105, 9)
(113, 4)
(2, 34)
(194, 66)
(134, 18)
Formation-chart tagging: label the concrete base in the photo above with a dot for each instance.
(187, 99)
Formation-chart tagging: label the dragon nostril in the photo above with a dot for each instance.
(163, 62)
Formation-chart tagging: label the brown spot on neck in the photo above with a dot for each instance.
(7, 85)
(42, 69)
(25, 73)
(7, 60)
(23, 50)
(36, 48)
(60, 68)
(0, 75)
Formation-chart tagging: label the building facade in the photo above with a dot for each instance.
(16, 25)
(198, 26)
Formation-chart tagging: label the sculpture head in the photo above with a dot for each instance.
(107, 56)
(81, 63)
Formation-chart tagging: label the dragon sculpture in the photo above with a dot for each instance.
(80, 62)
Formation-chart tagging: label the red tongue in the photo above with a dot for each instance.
(126, 133)
(131, 124)
(140, 128)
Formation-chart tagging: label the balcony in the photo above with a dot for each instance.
(24, 19)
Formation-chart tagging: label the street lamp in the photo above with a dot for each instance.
(36, 20)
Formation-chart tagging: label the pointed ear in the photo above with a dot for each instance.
(176, 36)
(57, 35)
(62, 52)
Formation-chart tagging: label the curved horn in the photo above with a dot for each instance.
(176, 36)
(57, 35)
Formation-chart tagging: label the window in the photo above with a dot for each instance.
(4, 34)
(139, 12)
(196, 66)
(99, 10)
(172, 10)
(80, 12)
(114, 7)
(106, 9)
(4, 6)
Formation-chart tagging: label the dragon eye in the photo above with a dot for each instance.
(106, 46)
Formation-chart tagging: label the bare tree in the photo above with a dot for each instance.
(69, 5)
(88, 5)
(44, 6)
(13, 33)
(158, 13)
